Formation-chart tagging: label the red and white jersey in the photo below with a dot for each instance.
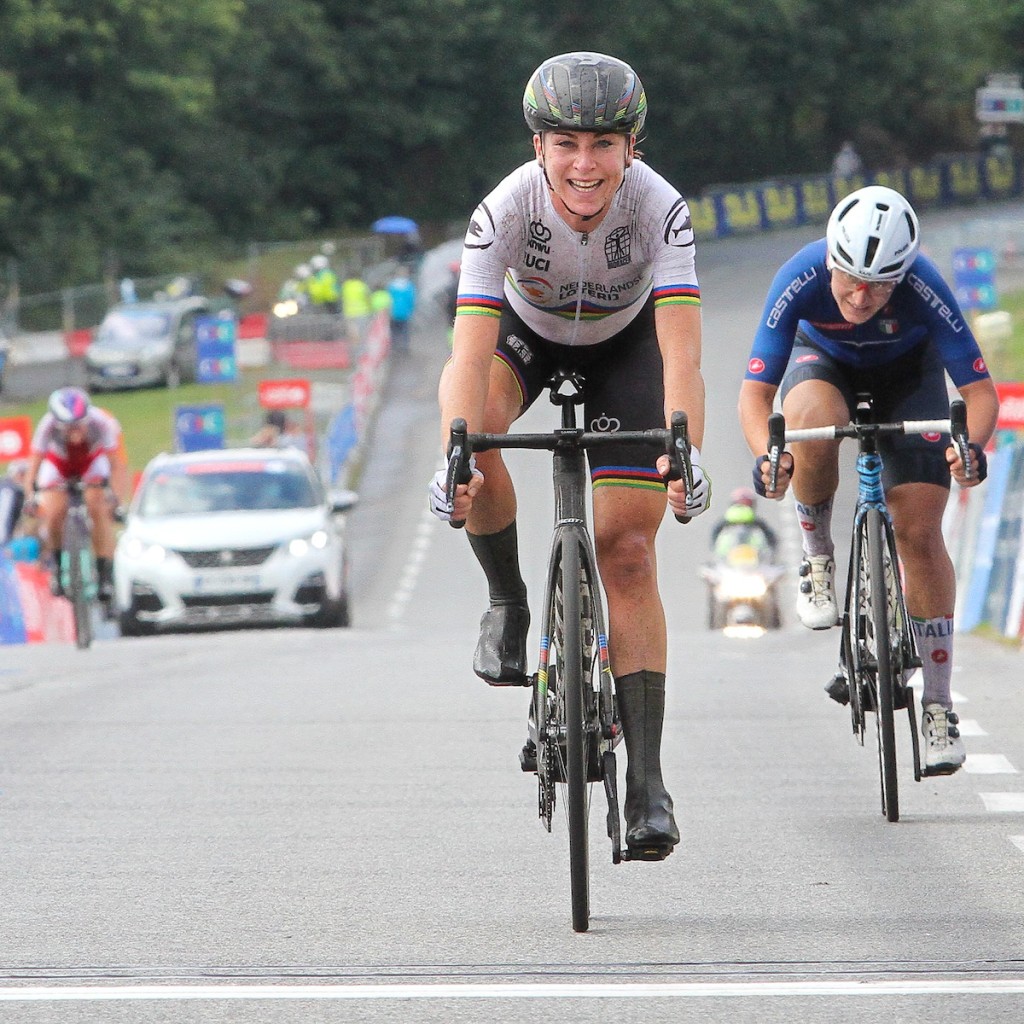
(102, 437)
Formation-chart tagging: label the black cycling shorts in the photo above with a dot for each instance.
(911, 387)
(625, 388)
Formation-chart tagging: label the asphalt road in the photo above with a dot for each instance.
(293, 825)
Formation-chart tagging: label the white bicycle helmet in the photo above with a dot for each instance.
(873, 234)
(69, 405)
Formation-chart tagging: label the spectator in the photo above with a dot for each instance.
(448, 297)
(323, 285)
(847, 161)
(402, 290)
(278, 432)
(12, 499)
(355, 305)
(296, 288)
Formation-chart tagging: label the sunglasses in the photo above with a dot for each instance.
(849, 283)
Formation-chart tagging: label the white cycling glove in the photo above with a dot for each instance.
(437, 492)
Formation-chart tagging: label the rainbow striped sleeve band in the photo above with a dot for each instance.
(478, 305)
(645, 478)
(677, 295)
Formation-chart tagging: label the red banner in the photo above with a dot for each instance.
(1011, 405)
(284, 394)
(15, 437)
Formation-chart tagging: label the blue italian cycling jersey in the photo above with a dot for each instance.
(922, 309)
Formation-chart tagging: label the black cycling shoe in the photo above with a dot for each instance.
(528, 756)
(500, 656)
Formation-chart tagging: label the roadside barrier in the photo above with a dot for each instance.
(29, 613)
(984, 530)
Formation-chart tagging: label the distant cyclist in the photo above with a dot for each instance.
(861, 310)
(77, 440)
(583, 259)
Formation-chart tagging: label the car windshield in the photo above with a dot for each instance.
(200, 488)
(133, 325)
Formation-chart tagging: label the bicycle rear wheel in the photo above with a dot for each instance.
(885, 664)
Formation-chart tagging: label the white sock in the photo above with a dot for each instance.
(935, 645)
(816, 527)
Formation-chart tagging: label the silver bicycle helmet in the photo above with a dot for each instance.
(873, 234)
(585, 92)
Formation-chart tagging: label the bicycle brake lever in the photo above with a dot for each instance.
(958, 435)
(776, 446)
(678, 451)
(459, 471)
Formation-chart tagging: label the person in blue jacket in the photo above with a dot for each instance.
(862, 310)
(402, 290)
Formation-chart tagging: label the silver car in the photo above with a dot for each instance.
(140, 344)
(231, 537)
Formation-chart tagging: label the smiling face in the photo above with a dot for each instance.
(584, 171)
(858, 300)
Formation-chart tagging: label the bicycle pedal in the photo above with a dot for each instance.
(647, 853)
(838, 689)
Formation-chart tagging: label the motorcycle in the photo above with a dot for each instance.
(743, 596)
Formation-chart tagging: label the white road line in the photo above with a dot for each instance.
(1018, 841)
(425, 532)
(1003, 803)
(969, 727)
(447, 991)
(988, 764)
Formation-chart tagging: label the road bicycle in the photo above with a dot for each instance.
(77, 568)
(878, 652)
(573, 722)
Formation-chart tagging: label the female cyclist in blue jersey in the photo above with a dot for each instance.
(583, 259)
(862, 310)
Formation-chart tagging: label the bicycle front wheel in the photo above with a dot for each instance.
(885, 664)
(576, 715)
(78, 552)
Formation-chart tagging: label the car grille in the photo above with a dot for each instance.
(222, 600)
(227, 558)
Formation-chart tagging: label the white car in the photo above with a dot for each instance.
(232, 536)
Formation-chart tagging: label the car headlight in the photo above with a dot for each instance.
(139, 551)
(317, 540)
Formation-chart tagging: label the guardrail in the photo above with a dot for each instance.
(726, 210)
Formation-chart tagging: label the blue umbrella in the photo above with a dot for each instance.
(394, 226)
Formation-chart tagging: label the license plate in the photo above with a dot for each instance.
(226, 583)
(119, 371)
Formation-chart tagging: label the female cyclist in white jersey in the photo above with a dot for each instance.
(583, 259)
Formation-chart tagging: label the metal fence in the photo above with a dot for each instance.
(266, 265)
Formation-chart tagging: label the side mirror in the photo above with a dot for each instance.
(341, 500)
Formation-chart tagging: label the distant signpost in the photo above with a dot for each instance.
(974, 278)
(199, 428)
(216, 358)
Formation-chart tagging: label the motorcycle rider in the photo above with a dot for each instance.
(740, 524)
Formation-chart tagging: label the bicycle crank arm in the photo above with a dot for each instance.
(611, 791)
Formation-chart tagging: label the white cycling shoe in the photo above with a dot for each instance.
(943, 749)
(816, 597)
